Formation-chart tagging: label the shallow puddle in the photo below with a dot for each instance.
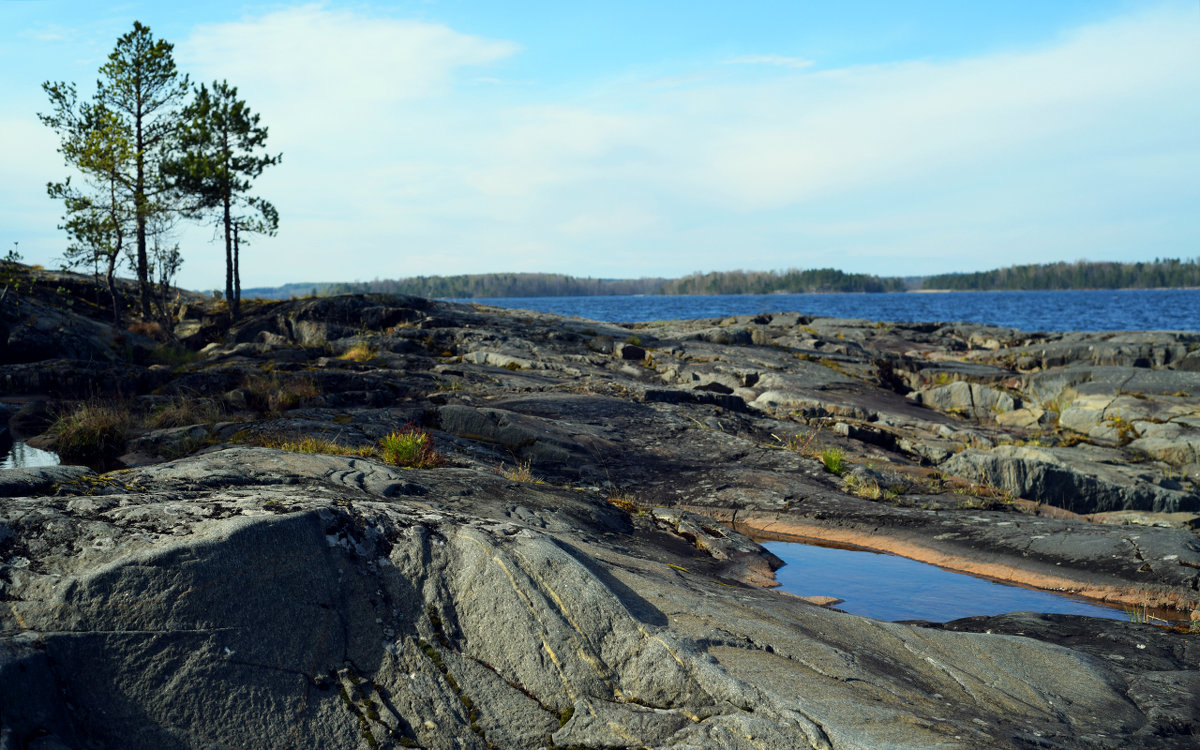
(888, 587)
(21, 456)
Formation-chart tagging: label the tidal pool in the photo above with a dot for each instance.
(888, 587)
(21, 456)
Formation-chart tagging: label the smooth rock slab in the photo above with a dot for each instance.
(303, 608)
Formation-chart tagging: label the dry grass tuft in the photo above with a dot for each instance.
(92, 430)
(360, 352)
(628, 502)
(274, 394)
(521, 472)
(183, 411)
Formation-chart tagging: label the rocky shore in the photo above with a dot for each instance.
(567, 574)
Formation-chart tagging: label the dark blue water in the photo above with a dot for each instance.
(888, 587)
(1092, 310)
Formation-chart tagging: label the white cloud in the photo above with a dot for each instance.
(317, 72)
(1075, 149)
(397, 161)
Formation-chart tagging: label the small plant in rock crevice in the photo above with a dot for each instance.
(804, 442)
(835, 461)
(867, 489)
(521, 472)
(1125, 430)
(411, 447)
(360, 352)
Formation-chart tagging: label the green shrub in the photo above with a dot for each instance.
(834, 460)
(411, 447)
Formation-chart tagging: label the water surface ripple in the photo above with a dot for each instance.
(1076, 310)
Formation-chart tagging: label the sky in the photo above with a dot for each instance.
(625, 139)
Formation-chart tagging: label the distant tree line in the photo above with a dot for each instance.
(472, 286)
(792, 281)
(1160, 273)
(499, 285)
(1079, 275)
(149, 150)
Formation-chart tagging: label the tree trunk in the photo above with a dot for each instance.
(228, 221)
(237, 276)
(141, 209)
(109, 278)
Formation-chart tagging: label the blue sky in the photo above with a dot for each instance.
(623, 139)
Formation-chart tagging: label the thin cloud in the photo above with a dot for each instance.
(49, 33)
(328, 65)
(777, 60)
(400, 157)
(1003, 154)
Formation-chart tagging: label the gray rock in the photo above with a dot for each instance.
(301, 610)
(38, 480)
(1078, 479)
(972, 399)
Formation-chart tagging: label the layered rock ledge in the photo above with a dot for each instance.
(560, 579)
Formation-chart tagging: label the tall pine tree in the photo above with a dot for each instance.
(140, 92)
(220, 152)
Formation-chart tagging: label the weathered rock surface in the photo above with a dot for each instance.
(332, 601)
(1085, 479)
(971, 399)
(245, 596)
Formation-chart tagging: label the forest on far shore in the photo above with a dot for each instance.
(1160, 273)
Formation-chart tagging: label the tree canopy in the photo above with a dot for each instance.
(220, 151)
(145, 155)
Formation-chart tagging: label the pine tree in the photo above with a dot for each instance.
(135, 115)
(220, 153)
(99, 217)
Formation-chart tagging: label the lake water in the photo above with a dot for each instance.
(21, 455)
(1087, 310)
(888, 587)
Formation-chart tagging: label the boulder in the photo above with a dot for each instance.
(971, 399)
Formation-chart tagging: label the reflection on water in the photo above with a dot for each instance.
(888, 587)
(20, 455)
